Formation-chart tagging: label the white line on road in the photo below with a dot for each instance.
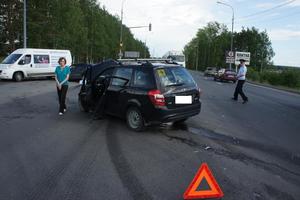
(276, 90)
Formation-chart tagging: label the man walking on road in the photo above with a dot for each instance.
(241, 77)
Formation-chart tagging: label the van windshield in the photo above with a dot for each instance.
(12, 58)
(174, 76)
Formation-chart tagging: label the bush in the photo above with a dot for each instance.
(291, 78)
(288, 77)
(252, 74)
(274, 78)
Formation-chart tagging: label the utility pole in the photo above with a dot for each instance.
(197, 57)
(24, 25)
(232, 24)
(121, 31)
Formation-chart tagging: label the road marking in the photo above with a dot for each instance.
(192, 191)
(274, 89)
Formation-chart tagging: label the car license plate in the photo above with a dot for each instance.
(183, 99)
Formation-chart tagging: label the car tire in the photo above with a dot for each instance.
(134, 119)
(82, 106)
(18, 76)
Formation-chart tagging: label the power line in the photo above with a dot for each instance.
(279, 18)
(267, 10)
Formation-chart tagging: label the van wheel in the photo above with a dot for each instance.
(134, 119)
(18, 76)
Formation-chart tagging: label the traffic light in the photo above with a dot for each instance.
(150, 27)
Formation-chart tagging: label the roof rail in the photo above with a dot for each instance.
(147, 60)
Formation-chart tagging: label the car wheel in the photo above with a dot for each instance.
(82, 105)
(134, 119)
(18, 76)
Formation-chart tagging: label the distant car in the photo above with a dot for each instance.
(225, 75)
(142, 93)
(210, 71)
(77, 71)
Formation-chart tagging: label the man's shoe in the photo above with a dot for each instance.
(60, 113)
(65, 110)
(245, 101)
(234, 99)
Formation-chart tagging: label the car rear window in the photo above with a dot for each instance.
(174, 76)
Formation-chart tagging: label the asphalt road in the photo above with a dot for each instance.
(252, 149)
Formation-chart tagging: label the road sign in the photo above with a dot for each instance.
(230, 56)
(192, 191)
(132, 54)
(242, 55)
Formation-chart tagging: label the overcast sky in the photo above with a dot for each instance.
(175, 22)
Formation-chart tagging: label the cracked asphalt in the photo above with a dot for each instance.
(253, 149)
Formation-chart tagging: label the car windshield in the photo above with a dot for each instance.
(174, 76)
(12, 58)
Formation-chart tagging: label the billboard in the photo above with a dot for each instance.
(242, 55)
(132, 54)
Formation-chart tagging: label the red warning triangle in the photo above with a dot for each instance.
(214, 192)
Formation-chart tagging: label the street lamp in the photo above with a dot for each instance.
(24, 25)
(231, 44)
(121, 31)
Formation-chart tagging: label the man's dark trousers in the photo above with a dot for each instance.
(239, 90)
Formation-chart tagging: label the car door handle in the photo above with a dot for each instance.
(30, 65)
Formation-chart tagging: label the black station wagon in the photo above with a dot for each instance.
(143, 93)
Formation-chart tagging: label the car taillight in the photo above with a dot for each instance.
(157, 98)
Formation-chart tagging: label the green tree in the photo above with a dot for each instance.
(258, 43)
(82, 26)
(10, 25)
(208, 48)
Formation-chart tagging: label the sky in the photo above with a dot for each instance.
(175, 22)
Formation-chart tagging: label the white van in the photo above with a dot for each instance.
(26, 63)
